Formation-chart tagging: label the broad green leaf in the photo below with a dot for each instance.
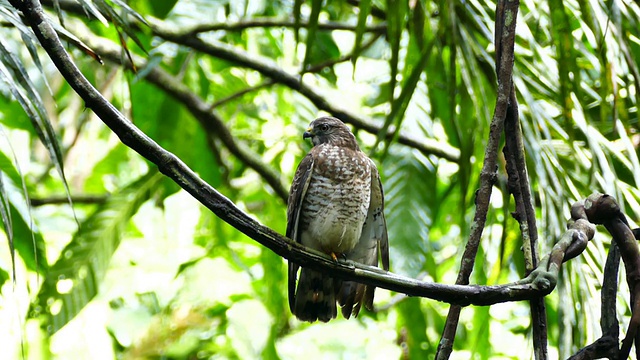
(28, 241)
(158, 9)
(412, 325)
(17, 219)
(4, 277)
(166, 121)
(407, 211)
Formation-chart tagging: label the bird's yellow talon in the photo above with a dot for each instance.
(334, 257)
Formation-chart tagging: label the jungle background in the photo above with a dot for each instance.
(137, 268)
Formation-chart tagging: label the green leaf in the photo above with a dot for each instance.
(408, 212)
(22, 88)
(325, 49)
(28, 241)
(74, 279)
(22, 235)
(122, 23)
(400, 104)
(160, 9)
(167, 122)
(413, 324)
(4, 277)
(7, 224)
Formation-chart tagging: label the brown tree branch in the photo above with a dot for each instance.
(488, 174)
(64, 200)
(603, 209)
(282, 23)
(606, 346)
(598, 349)
(525, 215)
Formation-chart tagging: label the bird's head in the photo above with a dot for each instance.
(330, 130)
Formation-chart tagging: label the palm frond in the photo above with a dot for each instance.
(74, 279)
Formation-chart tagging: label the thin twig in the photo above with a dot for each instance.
(63, 200)
(282, 23)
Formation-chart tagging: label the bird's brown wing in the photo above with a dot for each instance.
(373, 241)
(377, 199)
(294, 205)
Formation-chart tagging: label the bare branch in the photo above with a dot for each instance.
(599, 349)
(603, 209)
(64, 200)
(525, 215)
(488, 174)
(283, 23)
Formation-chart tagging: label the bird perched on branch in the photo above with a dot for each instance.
(336, 206)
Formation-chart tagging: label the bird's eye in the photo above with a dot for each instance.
(324, 127)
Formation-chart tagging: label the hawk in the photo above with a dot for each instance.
(336, 206)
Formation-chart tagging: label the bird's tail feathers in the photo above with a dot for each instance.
(315, 296)
(352, 296)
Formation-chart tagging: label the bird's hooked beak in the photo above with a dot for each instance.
(308, 134)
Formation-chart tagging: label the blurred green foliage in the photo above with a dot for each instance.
(138, 269)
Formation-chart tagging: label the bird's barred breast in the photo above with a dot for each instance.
(337, 200)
